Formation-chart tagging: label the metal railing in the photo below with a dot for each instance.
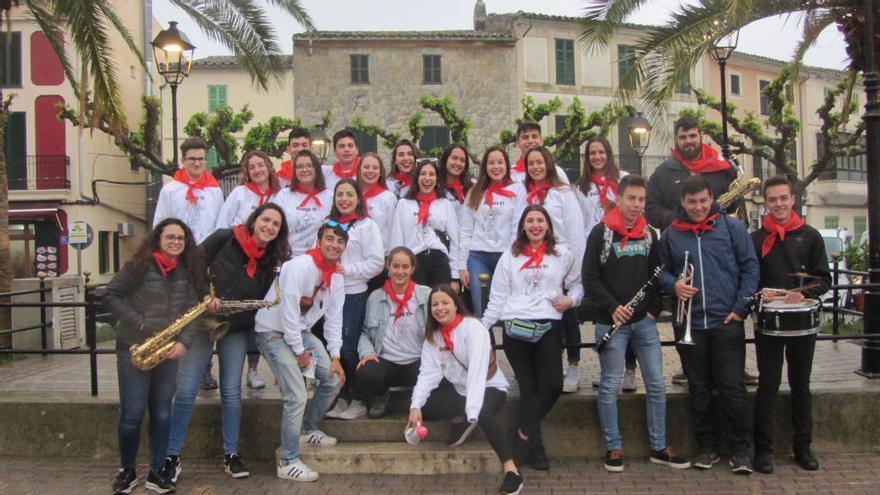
(40, 172)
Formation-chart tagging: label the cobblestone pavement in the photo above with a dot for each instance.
(839, 474)
(833, 367)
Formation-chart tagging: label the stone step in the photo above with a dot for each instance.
(474, 457)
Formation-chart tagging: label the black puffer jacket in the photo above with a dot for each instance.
(228, 265)
(147, 304)
(664, 190)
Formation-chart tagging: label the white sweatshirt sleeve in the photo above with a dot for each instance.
(467, 233)
(292, 288)
(573, 284)
(397, 237)
(370, 260)
(478, 348)
(500, 290)
(163, 205)
(430, 375)
(333, 315)
(226, 217)
(454, 238)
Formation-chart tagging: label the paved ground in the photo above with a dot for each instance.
(833, 368)
(839, 474)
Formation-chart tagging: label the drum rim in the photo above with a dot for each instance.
(789, 333)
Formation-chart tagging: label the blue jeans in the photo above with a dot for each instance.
(139, 390)
(231, 350)
(645, 340)
(480, 262)
(295, 416)
(353, 312)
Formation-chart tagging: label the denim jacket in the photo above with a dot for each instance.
(377, 319)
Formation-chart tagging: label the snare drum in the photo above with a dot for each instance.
(781, 319)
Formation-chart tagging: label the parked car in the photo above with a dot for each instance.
(836, 243)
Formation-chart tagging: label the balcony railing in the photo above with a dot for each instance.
(38, 172)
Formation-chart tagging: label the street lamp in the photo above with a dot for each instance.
(173, 54)
(320, 143)
(639, 135)
(721, 50)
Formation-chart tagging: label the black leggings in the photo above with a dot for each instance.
(445, 403)
(432, 268)
(538, 371)
(374, 378)
(572, 334)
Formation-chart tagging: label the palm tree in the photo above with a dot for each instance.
(242, 26)
(666, 54)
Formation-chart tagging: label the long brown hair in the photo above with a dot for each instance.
(522, 239)
(415, 151)
(360, 179)
(483, 180)
(611, 170)
(278, 249)
(549, 162)
(433, 326)
(465, 177)
(191, 259)
(316, 164)
(413, 191)
(360, 210)
(244, 178)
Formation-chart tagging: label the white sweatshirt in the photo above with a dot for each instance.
(201, 217)
(330, 177)
(381, 209)
(239, 205)
(591, 207)
(298, 278)
(407, 231)
(303, 221)
(565, 213)
(529, 293)
(395, 187)
(472, 346)
(363, 257)
(491, 229)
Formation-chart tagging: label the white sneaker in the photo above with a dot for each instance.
(338, 409)
(629, 381)
(317, 438)
(356, 409)
(295, 470)
(572, 377)
(254, 380)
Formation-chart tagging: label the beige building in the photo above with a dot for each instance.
(57, 174)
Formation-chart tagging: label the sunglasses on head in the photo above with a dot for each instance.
(334, 224)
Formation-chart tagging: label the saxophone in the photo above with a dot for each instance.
(217, 329)
(154, 350)
(738, 188)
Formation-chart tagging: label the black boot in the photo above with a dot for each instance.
(805, 459)
(763, 462)
(537, 456)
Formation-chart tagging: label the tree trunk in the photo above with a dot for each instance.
(6, 273)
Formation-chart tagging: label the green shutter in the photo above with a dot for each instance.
(217, 97)
(11, 76)
(625, 61)
(565, 62)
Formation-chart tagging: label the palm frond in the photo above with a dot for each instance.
(297, 11)
(602, 18)
(109, 12)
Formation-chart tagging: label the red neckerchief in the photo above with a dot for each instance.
(425, 201)
(536, 256)
(696, 228)
(537, 192)
(286, 170)
(454, 185)
(165, 265)
(374, 190)
(404, 179)
(327, 270)
(401, 301)
(337, 169)
(347, 219)
(249, 246)
(499, 189)
(263, 195)
(310, 195)
(707, 162)
(446, 331)
(206, 180)
(604, 184)
(774, 230)
(520, 165)
(614, 221)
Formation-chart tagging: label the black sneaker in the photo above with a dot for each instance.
(705, 460)
(172, 467)
(668, 458)
(159, 482)
(459, 433)
(805, 459)
(740, 464)
(125, 482)
(512, 484)
(763, 462)
(379, 406)
(232, 464)
(537, 455)
(614, 461)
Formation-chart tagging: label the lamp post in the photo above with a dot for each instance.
(871, 348)
(173, 53)
(721, 50)
(639, 135)
(319, 140)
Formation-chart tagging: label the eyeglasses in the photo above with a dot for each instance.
(334, 224)
(174, 238)
(302, 166)
(195, 159)
(426, 160)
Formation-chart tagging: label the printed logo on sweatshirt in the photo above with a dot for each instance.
(633, 248)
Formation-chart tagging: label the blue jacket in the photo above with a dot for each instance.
(725, 255)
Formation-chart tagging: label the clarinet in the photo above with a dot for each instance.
(635, 301)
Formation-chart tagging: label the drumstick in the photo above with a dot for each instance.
(808, 286)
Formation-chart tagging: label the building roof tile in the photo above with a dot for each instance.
(229, 62)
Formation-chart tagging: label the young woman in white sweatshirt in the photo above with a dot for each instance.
(457, 382)
(489, 223)
(259, 184)
(403, 162)
(426, 222)
(535, 282)
(597, 188)
(379, 200)
(306, 202)
(362, 260)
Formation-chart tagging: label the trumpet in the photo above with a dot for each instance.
(683, 311)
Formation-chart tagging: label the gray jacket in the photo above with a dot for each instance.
(377, 319)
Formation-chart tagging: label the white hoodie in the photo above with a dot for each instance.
(303, 221)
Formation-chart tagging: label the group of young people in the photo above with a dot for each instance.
(380, 287)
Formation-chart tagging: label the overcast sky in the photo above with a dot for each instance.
(775, 38)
